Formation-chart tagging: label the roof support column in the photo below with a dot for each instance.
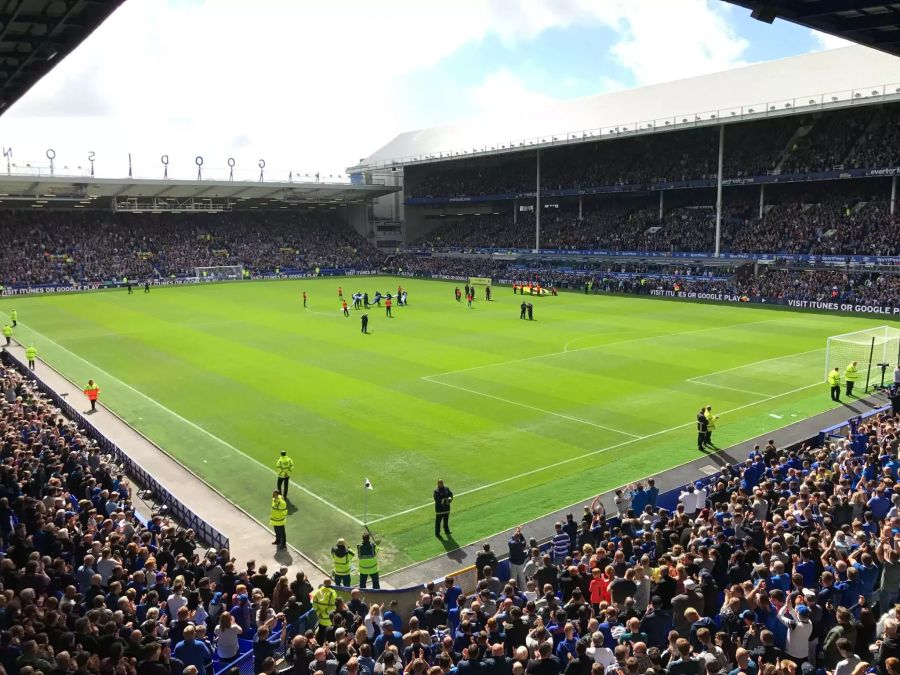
(515, 212)
(580, 208)
(661, 205)
(762, 199)
(893, 194)
(719, 190)
(537, 206)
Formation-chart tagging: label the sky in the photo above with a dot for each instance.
(315, 86)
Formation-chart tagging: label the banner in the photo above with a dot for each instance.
(697, 255)
(851, 307)
(177, 281)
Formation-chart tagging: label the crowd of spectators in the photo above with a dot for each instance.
(62, 247)
(88, 588)
(819, 224)
(855, 138)
(68, 249)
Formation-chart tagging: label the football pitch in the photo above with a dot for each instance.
(518, 417)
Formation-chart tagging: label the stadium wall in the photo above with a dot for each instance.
(357, 217)
(390, 207)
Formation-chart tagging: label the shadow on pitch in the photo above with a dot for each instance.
(291, 507)
(860, 409)
(451, 546)
(284, 557)
(715, 455)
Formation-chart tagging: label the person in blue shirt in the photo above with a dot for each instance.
(652, 493)
(638, 499)
(393, 616)
(893, 466)
(656, 623)
(567, 645)
(851, 589)
(451, 592)
(869, 573)
(454, 616)
(779, 578)
(606, 628)
(879, 504)
(557, 627)
(806, 568)
(388, 636)
(463, 637)
(193, 652)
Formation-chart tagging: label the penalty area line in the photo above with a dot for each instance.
(563, 462)
(428, 378)
(692, 380)
(614, 343)
(193, 424)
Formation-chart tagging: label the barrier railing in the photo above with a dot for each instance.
(835, 431)
(205, 532)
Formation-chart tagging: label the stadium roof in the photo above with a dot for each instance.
(874, 24)
(820, 80)
(35, 35)
(171, 195)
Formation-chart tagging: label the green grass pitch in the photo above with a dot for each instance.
(519, 418)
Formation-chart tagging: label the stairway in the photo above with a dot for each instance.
(802, 131)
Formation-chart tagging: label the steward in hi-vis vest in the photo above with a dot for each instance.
(367, 559)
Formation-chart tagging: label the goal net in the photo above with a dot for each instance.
(219, 273)
(869, 348)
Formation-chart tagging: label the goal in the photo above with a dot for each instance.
(869, 348)
(219, 273)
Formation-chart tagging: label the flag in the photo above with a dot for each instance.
(366, 484)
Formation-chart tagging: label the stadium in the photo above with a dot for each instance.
(607, 386)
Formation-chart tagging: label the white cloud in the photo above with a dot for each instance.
(664, 41)
(516, 20)
(307, 86)
(826, 41)
(503, 91)
(313, 86)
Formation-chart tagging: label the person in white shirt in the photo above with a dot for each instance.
(373, 621)
(849, 660)
(688, 498)
(227, 633)
(700, 494)
(799, 629)
(177, 600)
(600, 654)
(106, 565)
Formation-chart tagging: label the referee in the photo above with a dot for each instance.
(443, 496)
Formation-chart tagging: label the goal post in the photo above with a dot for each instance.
(219, 273)
(869, 348)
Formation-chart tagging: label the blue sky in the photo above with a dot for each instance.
(314, 86)
(575, 61)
